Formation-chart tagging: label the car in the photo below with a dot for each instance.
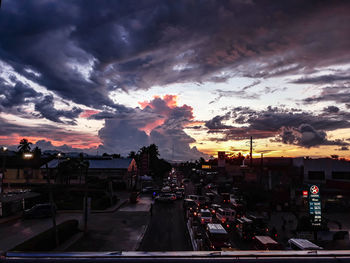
(189, 203)
(210, 196)
(200, 200)
(185, 180)
(260, 225)
(147, 189)
(205, 216)
(214, 208)
(166, 198)
(225, 198)
(225, 215)
(245, 228)
(216, 237)
(166, 189)
(39, 211)
(179, 195)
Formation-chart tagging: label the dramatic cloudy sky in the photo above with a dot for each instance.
(194, 77)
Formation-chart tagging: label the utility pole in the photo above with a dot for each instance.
(251, 151)
(53, 210)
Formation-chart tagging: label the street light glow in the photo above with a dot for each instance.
(28, 155)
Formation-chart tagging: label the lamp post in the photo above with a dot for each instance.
(53, 211)
(3, 150)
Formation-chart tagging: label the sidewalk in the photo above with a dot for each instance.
(119, 231)
(8, 219)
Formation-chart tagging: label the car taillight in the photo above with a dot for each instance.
(202, 220)
(228, 226)
(194, 213)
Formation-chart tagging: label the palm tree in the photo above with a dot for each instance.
(24, 146)
(37, 152)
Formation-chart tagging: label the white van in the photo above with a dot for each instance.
(226, 215)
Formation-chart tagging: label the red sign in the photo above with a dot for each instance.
(314, 189)
(305, 193)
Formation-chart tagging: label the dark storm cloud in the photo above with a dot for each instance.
(306, 136)
(12, 131)
(343, 148)
(83, 51)
(324, 79)
(216, 122)
(15, 96)
(162, 119)
(239, 93)
(338, 94)
(331, 109)
(47, 110)
(291, 126)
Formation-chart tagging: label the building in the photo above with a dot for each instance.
(332, 173)
(121, 171)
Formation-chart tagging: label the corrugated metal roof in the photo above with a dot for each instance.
(120, 163)
(51, 164)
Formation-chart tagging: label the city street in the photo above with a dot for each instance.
(167, 230)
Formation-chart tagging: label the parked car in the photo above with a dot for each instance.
(39, 211)
(204, 216)
(166, 198)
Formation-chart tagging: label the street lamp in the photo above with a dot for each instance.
(28, 156)
(3, 150)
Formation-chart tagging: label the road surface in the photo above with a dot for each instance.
(167, 230)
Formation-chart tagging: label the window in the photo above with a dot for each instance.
(341, 175)
(316, 175)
